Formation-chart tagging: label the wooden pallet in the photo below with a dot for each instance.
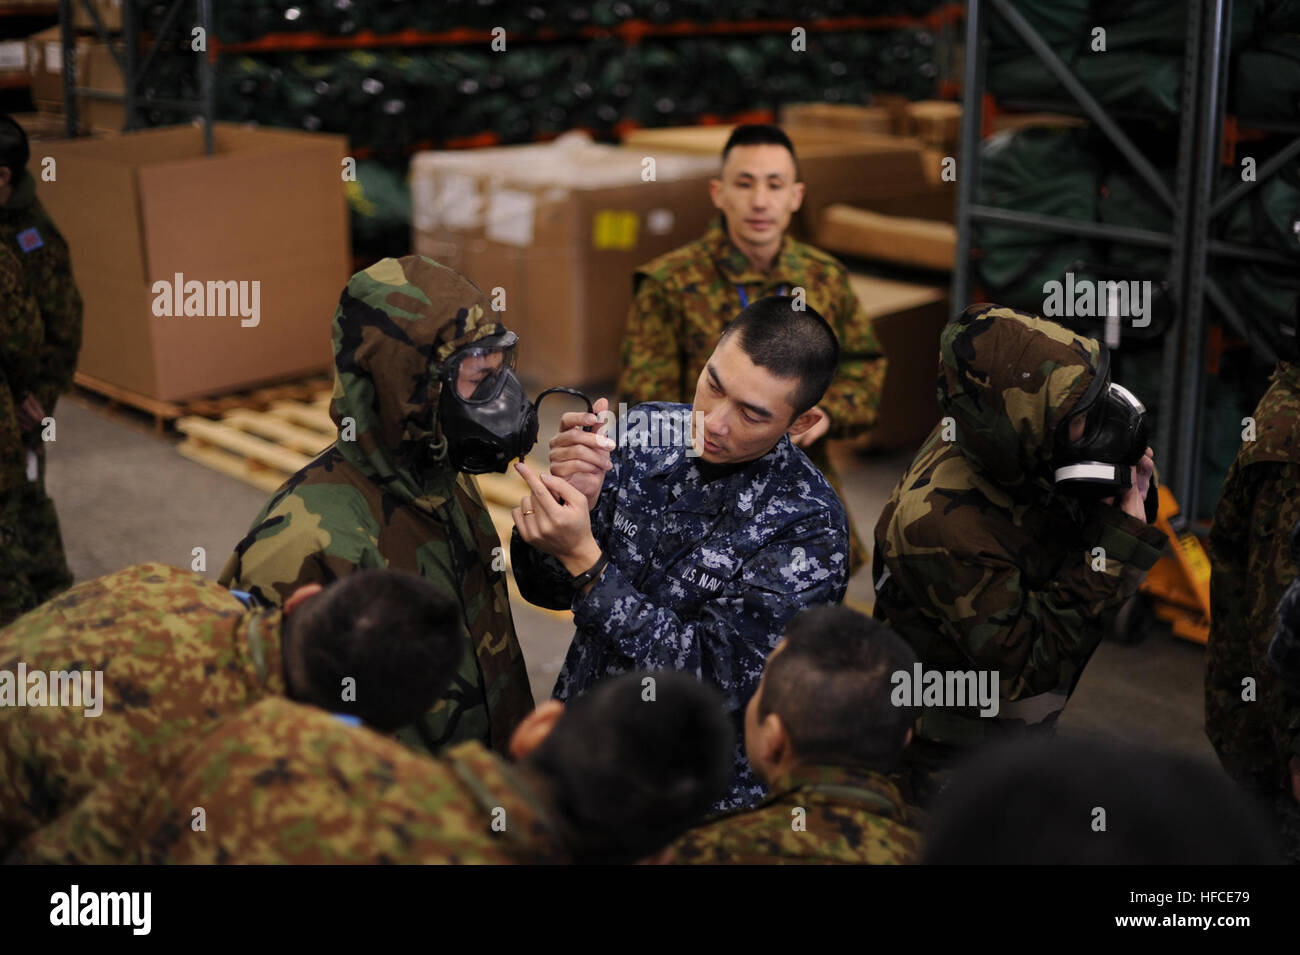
(162, 412)
(307, 390)
(261, 448)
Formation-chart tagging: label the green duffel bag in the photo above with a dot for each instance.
(379, 202)
(1279, 16)
(1263, 294)
(1064, 25)
(1159, 26)
(1050, 171)
(1146, 82)
(1269, 215)
(1025, 77)
(1267, 83)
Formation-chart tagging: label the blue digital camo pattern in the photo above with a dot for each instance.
(702, 577)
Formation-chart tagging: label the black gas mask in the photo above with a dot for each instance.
(1114, 439)
(483, 411)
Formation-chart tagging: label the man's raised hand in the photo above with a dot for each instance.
(582, 457)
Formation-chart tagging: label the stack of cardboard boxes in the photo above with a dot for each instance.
(553, 232)
(97, 69)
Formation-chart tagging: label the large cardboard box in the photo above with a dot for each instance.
(907, 241)
(907, 320)
(97, 69)
(145, 209)
(559, 229)
(836, 166)
(110, 14)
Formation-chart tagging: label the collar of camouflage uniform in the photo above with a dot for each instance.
(736, 268)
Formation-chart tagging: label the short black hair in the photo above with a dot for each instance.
(14, 151)
(831, 686)
(789, 342)
(397, 635)
(1036, 802)
(760, 134)
(629, 770)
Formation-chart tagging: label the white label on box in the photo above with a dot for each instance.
(457, 203)
(510, 216)
(659, 221)
(13, 55)
(54, 57)
(424, 207)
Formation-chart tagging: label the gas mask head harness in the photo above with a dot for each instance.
(483, 411)
(1114, 439)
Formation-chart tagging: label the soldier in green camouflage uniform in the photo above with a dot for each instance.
(1250, 552)
(384, 494)
(282, 783)
(825, 692)
(685, 298)
(175, 653)
(40, 335)
(982, 563)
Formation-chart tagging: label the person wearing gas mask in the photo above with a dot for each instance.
(1021, 525)
(414, 344)
(1253, 559)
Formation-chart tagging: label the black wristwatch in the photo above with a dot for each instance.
(581, 580)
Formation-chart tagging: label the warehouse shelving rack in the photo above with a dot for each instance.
(941, 20)
(134, 67)
(1206, 136)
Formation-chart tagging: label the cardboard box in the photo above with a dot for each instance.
(42, 128)
(850, 118)
(918, 242)
(936, 123)
(907, 320)
(559, 228)
(141, 208)
(836, 166)
(96, 69)
(110, 14)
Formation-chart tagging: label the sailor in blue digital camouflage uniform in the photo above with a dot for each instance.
(690, 541)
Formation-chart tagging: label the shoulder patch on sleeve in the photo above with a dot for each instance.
(30, 239)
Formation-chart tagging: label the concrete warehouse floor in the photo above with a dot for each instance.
(125, 496)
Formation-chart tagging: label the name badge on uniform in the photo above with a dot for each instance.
(30, 239)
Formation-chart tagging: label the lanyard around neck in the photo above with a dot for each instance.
(744, 298)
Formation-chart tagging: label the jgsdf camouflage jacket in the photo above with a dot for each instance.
(175, 651)
(1253, 565)
(283, 783)
(814, 815)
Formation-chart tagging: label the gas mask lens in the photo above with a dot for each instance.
(478, 373)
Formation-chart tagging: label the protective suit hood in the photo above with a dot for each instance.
(396, 323)
(1008, 379)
